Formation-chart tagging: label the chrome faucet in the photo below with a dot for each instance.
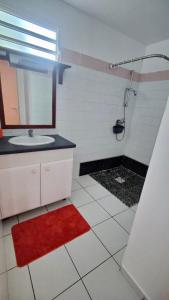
(30, 133)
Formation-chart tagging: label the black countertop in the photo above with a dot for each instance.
(8, 148)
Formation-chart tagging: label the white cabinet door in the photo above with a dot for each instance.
(56, 181)
(19, 189)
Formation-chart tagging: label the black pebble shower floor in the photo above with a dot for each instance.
(128, 191)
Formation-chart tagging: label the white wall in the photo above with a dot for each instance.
(149, 108)
(150, 104)
(156, 64)
(146, 258)
(78, 31)
(89, 102)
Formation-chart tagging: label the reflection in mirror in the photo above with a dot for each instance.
(27, 95)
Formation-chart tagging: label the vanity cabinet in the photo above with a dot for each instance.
(19, 189)
(56, 179)
(34, 179)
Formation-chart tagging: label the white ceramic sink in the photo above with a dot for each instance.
(31, 141)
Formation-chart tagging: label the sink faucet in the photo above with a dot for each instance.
(30, 133)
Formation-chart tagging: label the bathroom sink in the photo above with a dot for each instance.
(31, 141)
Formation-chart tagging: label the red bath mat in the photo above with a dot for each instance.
(38, 236)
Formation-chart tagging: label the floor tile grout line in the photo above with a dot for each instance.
(4, 272)
(97, 200)
(101, 242)
(107, 211)
(98, 203)
(119, 250)
(80, 277)
(100, 197)
(87, 185)
(82, 204)
(76, 270)
(72, 260)
(86, 289)
(7, 270)
(118, 265)
(101, 222)
(111, 256)
(121, 226)
(69, 287)
(104, 209)
(106, 247)
(31, 282)
(96, 267)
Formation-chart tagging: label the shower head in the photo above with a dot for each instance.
(132, 90)
(127, 95)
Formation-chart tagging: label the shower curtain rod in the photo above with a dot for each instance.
(137, 59)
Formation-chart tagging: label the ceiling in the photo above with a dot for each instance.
(146, 21)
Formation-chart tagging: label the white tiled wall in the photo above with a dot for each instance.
(89, 103)
(149, 109)
(150, 105)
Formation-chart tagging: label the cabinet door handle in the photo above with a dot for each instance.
(34, 171)
(47, 169)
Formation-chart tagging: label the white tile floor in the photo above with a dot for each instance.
(86, 268)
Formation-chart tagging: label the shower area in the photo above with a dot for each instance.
(148, 98)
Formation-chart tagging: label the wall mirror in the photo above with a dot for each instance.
(27, 92)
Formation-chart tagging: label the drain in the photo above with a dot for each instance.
(120, 179)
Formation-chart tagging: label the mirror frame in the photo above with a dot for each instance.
(53, 124)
